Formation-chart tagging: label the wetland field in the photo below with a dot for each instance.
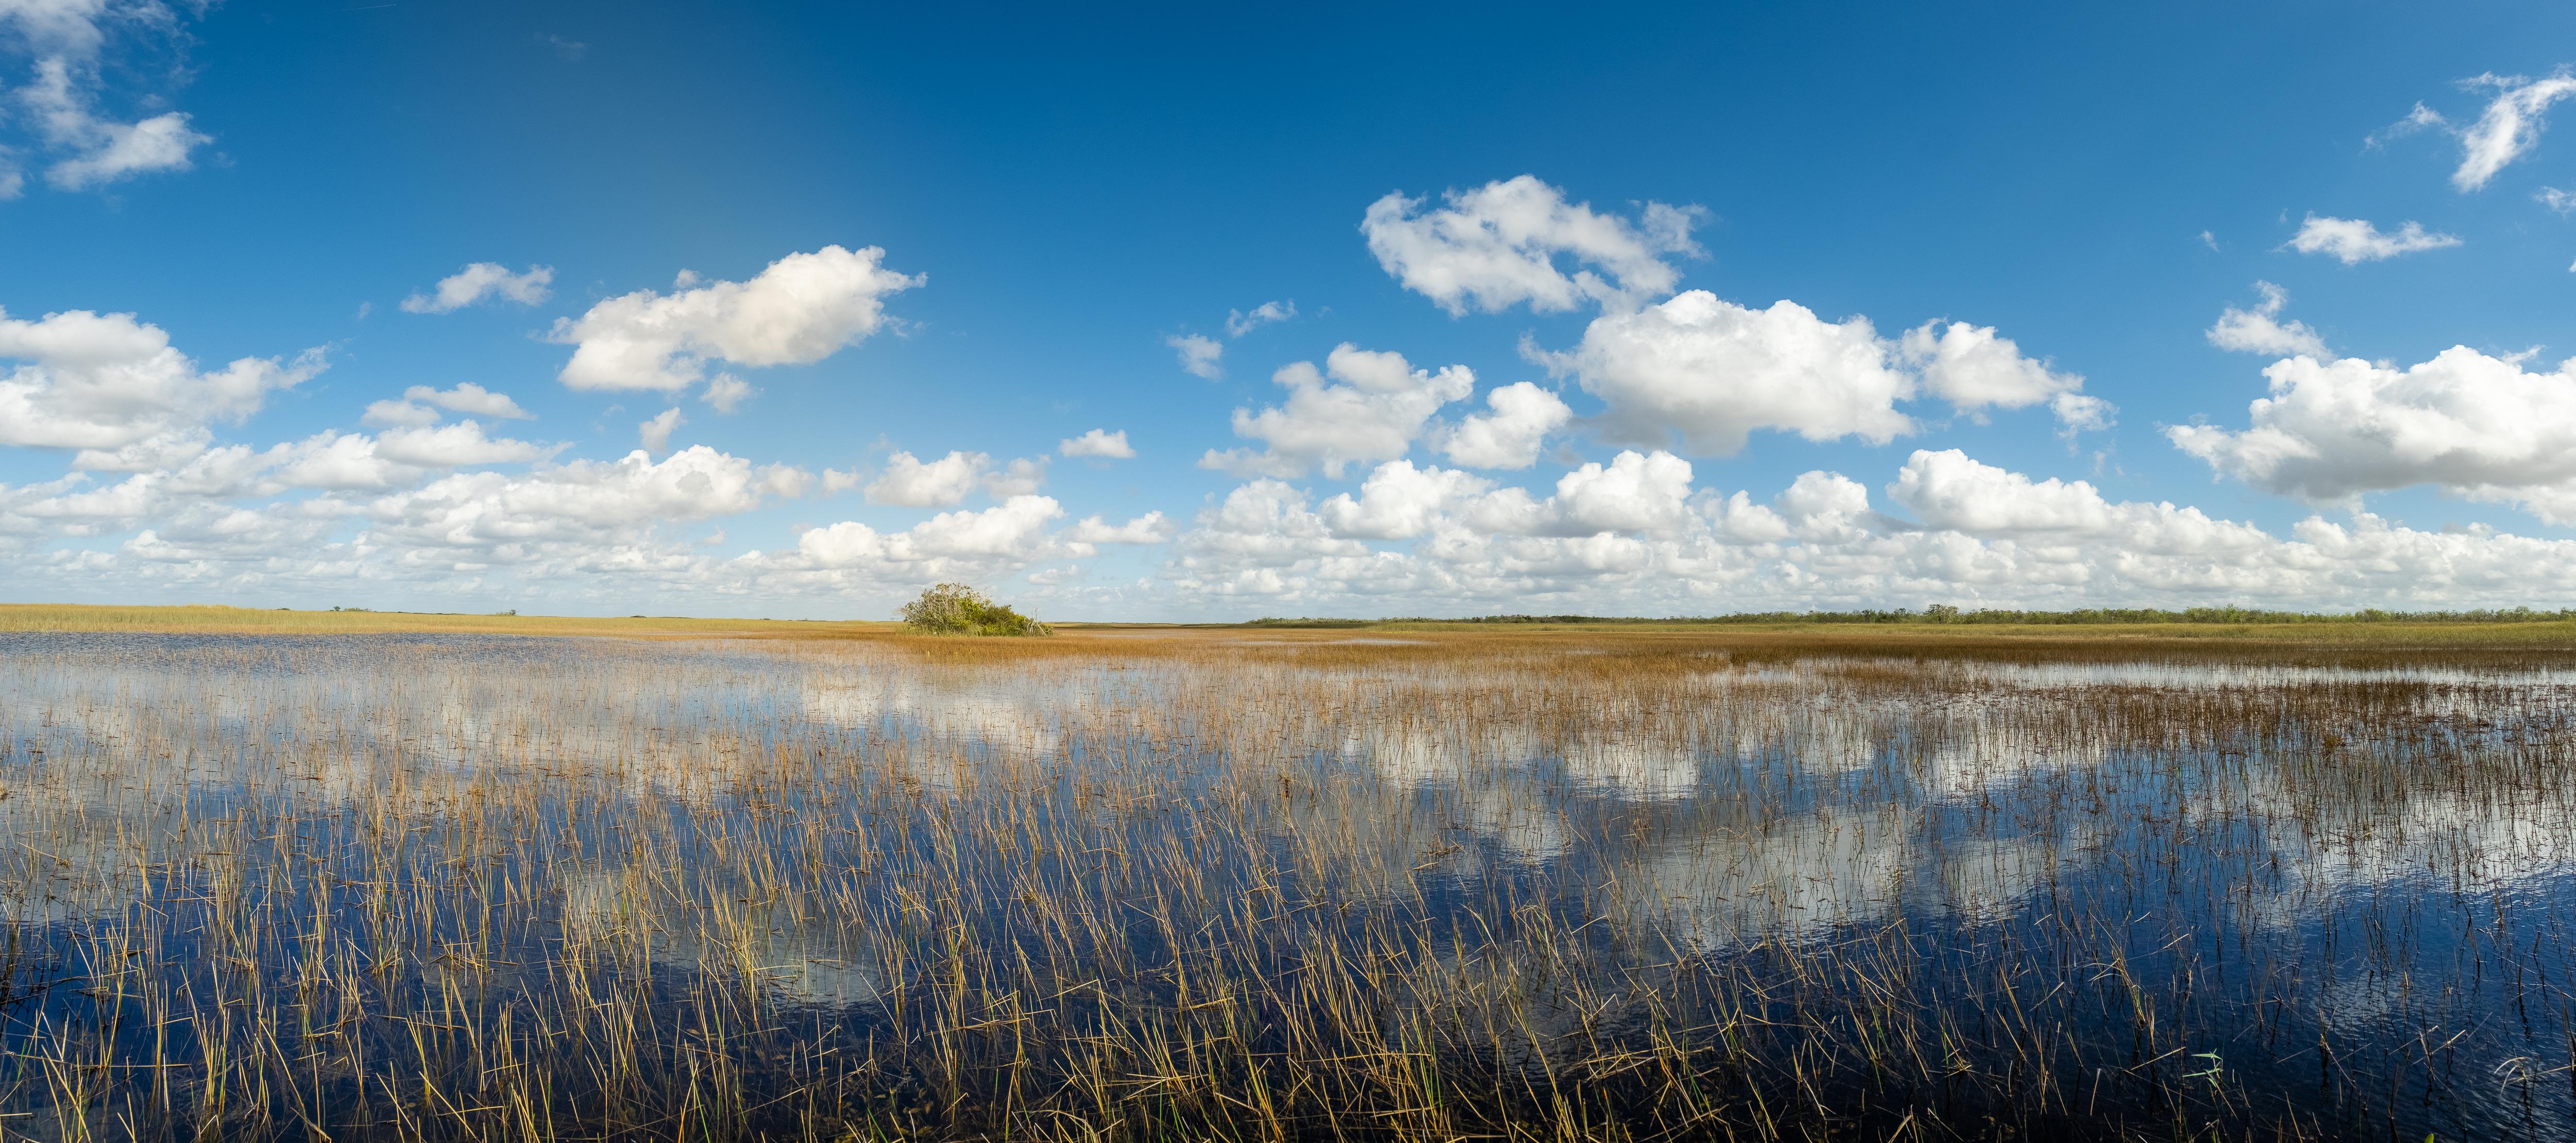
(807, 881)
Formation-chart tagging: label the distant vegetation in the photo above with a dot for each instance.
(357, 621)
(1939, 614)
(956, 609)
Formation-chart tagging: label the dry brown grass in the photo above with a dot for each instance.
(2088, 639)
(281, 621)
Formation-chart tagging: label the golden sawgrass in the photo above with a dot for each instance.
(2119, 638)
(281, 621)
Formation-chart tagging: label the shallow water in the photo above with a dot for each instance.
(448, 885)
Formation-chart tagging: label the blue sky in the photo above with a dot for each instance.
(1057, 197)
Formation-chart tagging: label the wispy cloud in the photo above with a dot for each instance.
(2355, 240)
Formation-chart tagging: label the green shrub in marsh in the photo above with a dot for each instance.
(956, 609)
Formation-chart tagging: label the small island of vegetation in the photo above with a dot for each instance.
(957, 609)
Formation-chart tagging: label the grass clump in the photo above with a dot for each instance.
(956, 609)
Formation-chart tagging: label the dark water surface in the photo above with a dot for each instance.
(480, 887)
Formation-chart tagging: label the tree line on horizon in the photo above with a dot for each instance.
(1938, 614)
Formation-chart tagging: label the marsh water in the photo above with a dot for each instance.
(1269, 887)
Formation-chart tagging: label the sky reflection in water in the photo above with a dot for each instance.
(2260, 857)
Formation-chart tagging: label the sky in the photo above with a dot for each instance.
(1175, 314)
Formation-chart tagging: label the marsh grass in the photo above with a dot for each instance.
(2109, 635)
(42, 617)
(1141, 884)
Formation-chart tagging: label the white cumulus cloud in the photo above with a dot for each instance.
(460, 445)
(480, 281)
(1381, 406)
(219, 480)
(655, 434)
(1635, 537)
(1509, 435)
(801, 309)
(1239, 323)
(1973, 368)
(1020, 477)
(2260, 330)
(122, 150)
(2354, 240)
(1635, 492)
(393, 411)
(1500, 245)
(1255, 540)
(1398, 501)
(420, 404)
(994, 541)
(1712, 372)
(1150, 528)
(1199, 354)
(911, 482)
(581, 509)
(727, 393)
(471, 399)
(1098, 443)
(1948, 490)
(2464, 422)
(103, 382)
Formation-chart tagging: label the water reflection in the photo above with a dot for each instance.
(1343, 849)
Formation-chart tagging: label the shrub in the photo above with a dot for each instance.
(956, 609)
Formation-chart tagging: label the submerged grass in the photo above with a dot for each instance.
(1139, 883)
